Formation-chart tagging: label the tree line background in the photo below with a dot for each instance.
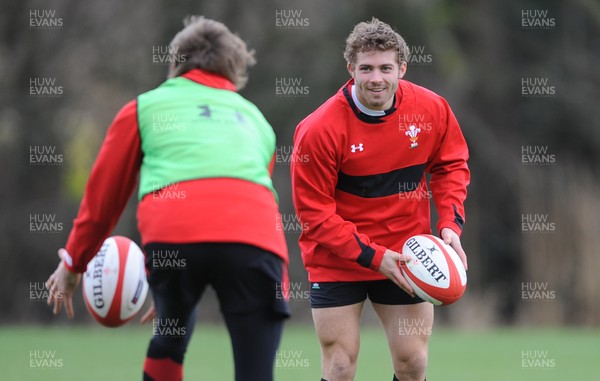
(521, 76)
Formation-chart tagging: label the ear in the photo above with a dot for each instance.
(350, 68)
(402, 70)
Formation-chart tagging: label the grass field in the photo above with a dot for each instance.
(94, 353)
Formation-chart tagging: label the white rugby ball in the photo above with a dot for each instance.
(114, 284)
(435, 270)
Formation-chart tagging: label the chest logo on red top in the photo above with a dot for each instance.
(357, 148)
(413, 135)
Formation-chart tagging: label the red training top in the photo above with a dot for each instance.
(211, 210)
(359, 181)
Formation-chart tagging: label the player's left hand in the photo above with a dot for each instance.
(61, 285)
(450, 237)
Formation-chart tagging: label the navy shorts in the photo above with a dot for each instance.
(337, 294)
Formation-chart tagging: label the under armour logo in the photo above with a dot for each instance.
(355, 147)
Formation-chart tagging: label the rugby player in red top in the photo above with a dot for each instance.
(204, 155)
(363, 191)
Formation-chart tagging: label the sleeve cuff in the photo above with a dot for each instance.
(371, 256)
(377, 258)
(68, 261)
(456, 223)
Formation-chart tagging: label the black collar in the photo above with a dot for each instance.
(365, 117)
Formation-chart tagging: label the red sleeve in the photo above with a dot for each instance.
(108, 189)
(450, 174)
(272, 165)
(313, 190)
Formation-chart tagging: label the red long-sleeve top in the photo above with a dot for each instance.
(204, 210)
(360, 185)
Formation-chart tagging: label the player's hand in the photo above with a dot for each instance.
(451, 238)
(149, 314)
(61, 285)
(390, 267)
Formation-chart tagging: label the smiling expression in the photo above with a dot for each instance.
(376, 75)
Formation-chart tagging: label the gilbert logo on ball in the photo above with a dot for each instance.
(435, 271)
(114, 285)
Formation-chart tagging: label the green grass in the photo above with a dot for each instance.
(96, 353)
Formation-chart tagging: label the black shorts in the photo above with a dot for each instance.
(245, 278)
(337, 294)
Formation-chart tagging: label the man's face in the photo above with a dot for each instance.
(376, 75)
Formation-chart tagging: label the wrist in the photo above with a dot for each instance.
(449, 225)
(67, 260)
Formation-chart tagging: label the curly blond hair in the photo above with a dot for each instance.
(209, 45)
(374, 35)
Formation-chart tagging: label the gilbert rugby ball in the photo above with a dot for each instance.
(114, 285)
(434, 271)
